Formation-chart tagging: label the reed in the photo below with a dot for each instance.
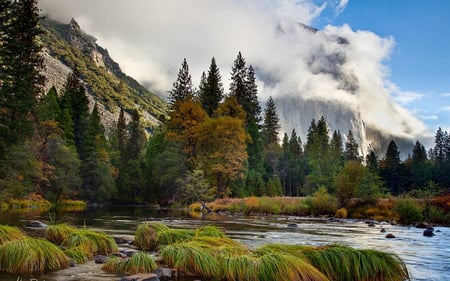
(137, 263)
(31, 255)
(10, 233)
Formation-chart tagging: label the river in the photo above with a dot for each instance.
(427, 258)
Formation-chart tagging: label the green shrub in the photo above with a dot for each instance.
(409, 211)
(322, 203)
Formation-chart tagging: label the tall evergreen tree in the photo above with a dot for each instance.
(21, 63)
(211, 90)
(420, 170)
(238, 87)
(351, 148)
(182, 87)
(251, 104)
(372, 162)
(391, 169)
(271, 125)
(122, 136)
(336, 147)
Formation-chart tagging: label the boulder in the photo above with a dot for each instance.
(164, 272)
(128, 253)
(428, 232)
(421, 225)
(371, 224)
(141, 277)
(383, 230)
(390, 236)
(292, 225)
(100, 259)
(37, 224)
(121, 240)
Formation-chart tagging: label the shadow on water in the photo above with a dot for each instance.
(427, 258)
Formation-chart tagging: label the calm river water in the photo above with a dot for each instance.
(427, 258)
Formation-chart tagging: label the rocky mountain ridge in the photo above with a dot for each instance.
(67, 47)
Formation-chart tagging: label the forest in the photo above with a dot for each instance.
(214, 144)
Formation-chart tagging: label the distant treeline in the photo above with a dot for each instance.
(213, 145)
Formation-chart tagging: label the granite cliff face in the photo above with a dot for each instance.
(335, 88)
(67, 47)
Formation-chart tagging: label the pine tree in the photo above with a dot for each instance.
(182, 87)
(211, 89)
(137, 137)
(251, 105)
(351, 148)
(49, 108)
(336, 146)
(238, 87)
(271, 125)
(420, 171)
(391, 169)
(372, 162)
(21, 63)
(122, 136)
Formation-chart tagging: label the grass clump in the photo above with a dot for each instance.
(137, 263)
(172, 236)
(10, 233)
(146, 236)
(79, 255)
(342, 263)
(209, 231)
(91, 242)
(192, 258)
(409, 211)
(31, 255)
(57, 233)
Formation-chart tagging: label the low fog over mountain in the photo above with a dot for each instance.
(335, 72)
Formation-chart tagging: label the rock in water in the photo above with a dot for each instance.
(35, 224)
(390, 236)
(428, 232)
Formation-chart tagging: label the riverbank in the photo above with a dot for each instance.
(405, 211)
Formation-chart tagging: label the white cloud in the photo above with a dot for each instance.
(443, 109)
(407, 97)
(341, 7)
(445, 95)
(150, 39)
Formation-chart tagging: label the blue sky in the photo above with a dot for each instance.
(409, 38)
(420, 61)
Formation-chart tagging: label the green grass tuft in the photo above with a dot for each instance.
(210, 231)
(10, 233)
(78, 255)
(193, 259)
(146, 236)
(91, 242)
(173, 236)
(57, 233)
(138, 263)
(30, 255)
(342, 263)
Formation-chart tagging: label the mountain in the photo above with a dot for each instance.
(336, 87)
(67, 47)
